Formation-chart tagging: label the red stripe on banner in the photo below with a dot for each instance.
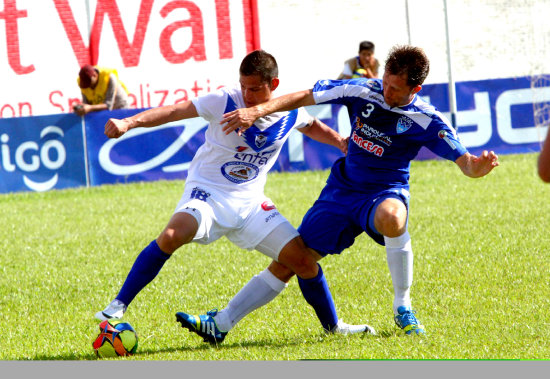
(224, 29)
(251, 25)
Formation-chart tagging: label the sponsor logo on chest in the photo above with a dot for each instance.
(367, 145)
(366, 131)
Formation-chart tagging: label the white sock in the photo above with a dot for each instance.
(260, 290)
(400, 262)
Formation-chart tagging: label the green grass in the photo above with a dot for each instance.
(480, 287)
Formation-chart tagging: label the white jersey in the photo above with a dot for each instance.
(238, 165)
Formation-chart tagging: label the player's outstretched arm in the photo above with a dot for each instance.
(244, 118)
(476, 167)
(115, 128)
(321, 132)
(544, 161)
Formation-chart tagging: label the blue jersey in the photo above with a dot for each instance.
(383, 139)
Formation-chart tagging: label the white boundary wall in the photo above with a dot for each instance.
(490, 38)
(310, 39)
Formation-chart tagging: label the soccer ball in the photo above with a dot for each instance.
(115, 338)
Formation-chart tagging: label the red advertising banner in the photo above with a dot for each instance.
(165, 51)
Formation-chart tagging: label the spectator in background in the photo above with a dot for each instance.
(544, 161)
(101, 90)
(365, 65)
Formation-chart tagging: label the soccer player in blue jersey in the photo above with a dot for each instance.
(224, 196)
(368, 189)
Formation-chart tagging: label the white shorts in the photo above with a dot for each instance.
(249, 224)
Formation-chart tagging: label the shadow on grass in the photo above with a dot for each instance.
(197, 348)
(261, 343)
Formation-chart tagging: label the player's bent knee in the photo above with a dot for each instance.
(171, 239)
(297, 257)
(181, 229)
(391, 218)
(305, 266)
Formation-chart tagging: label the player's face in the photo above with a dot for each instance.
(396, 90)
(255, 91)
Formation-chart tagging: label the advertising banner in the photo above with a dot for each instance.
(46, 152)
(165, 152)
(493, 114)
(142, 154)
(41, 153)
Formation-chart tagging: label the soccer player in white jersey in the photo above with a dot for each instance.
(368, 189)
(224, 195)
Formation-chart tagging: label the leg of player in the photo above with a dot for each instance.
(391, 221)
(180, 230)
(265, 286)
(260, 290)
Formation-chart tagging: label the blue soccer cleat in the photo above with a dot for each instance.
(204, 325)
(407, 321)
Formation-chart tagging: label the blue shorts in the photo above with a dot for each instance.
(340, 215)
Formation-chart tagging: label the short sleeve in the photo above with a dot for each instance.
(443, 141)
(211, 106)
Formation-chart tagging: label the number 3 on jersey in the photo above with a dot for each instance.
(368, 111)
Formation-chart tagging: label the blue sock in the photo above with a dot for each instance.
(317, 294)
(145, 269)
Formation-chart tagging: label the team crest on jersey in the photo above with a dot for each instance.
(403, 124)
(260, 141)
(239, 172)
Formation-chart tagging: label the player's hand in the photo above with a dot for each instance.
(344, 145)
(114, 128)
(485, 163)
(239, 120)
(80, 109)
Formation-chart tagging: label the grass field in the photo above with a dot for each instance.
(480, 288)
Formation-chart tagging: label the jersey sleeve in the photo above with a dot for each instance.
(443, 140)
(211, 106)
(304, 119)
(330, 91)
(343, 91)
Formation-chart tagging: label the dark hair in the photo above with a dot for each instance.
(85, 74)
(260, 63)
(366, 45)
(410, 61)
